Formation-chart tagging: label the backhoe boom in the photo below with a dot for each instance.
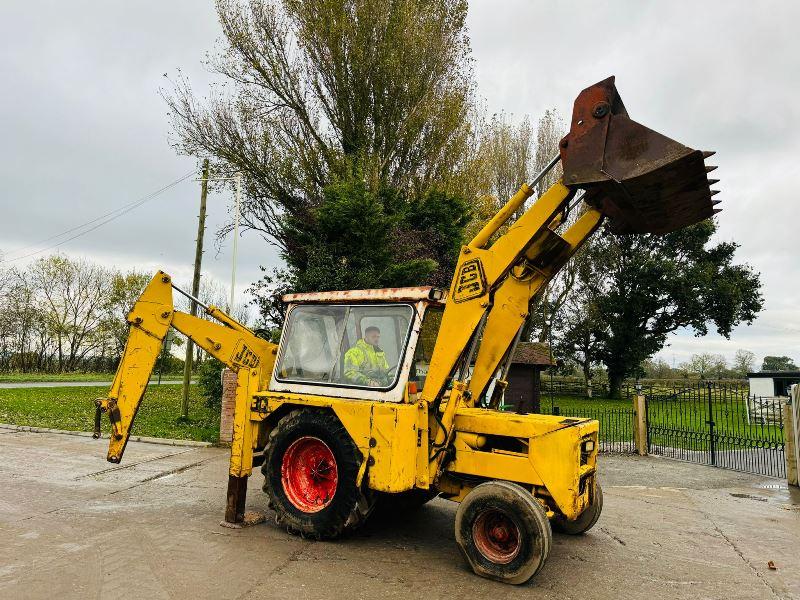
(150, 318)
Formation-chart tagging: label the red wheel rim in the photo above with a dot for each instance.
(496, 536)
(309, 474)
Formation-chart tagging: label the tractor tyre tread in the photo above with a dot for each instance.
(350, 506)
(529, 516)
(585, 521)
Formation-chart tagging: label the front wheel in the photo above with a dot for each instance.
(503, 532)
(310, 469)
(586, 520)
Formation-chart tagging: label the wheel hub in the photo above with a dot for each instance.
(309, 474)
(496, 536)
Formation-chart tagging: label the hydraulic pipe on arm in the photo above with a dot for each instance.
(480, 270)
(513, 296)
(229, 341)
(490, 293)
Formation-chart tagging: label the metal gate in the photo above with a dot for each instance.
(718, 425)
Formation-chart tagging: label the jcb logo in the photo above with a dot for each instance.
(470, 282)
(244, 357)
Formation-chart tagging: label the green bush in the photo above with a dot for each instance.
(209, 377)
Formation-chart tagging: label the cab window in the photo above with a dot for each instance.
(355, 345)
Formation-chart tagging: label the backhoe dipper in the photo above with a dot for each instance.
(332, 449)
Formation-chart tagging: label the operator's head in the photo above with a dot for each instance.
(372, 335)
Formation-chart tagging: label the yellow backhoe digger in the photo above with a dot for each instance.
(334, 440)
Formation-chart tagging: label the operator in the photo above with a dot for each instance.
(365, 363)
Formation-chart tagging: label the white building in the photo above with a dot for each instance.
(772, 383)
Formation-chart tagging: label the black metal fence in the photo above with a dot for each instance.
(719, 425)
(578, 388)
(616, 425)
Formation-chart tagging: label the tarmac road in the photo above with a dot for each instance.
(75, 526)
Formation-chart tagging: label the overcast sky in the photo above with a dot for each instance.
(84, 130)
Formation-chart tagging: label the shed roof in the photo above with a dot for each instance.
(774, 374)
(533, 353)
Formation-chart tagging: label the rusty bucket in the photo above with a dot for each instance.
(643, 181)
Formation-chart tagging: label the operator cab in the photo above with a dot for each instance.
(328, 343)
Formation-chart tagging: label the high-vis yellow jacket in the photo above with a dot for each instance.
(363, 362)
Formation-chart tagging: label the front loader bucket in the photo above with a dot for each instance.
(643, 181)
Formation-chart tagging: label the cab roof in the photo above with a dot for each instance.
(413, 294)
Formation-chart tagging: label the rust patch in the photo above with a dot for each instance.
(431, 294)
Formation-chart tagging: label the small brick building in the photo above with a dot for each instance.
(229, 380)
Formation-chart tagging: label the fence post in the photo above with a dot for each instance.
(712, 440)
(640, 423)
(790, 425)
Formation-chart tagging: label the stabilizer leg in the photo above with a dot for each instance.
(237, 498)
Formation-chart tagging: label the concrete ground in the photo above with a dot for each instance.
(75, 526)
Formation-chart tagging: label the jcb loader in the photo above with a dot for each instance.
(332, 448)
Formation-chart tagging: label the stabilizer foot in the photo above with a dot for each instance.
(249, 519)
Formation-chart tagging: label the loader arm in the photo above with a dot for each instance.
(637, 179)
(154, 313)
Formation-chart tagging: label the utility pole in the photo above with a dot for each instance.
(198, 259)
(236, 213)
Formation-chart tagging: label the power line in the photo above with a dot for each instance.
(100, 221)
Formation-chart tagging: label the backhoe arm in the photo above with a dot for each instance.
(150, 318)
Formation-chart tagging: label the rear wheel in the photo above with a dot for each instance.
(310, 469)
(586, 520)
(503, 532)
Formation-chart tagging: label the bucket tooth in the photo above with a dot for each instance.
(717, 210)
(707, 153)
(712, 181)
(710, 168)
(715, 202)
(714, 192)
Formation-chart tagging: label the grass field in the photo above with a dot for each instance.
(573, 403)
(72, 409)
(23, 377)
(673, 423)
(68, 377)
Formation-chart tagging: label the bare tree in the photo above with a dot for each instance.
(743, 362)
(73, 294)
(706, 364)
(509, 156)
(549, 132)
(25, 343)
